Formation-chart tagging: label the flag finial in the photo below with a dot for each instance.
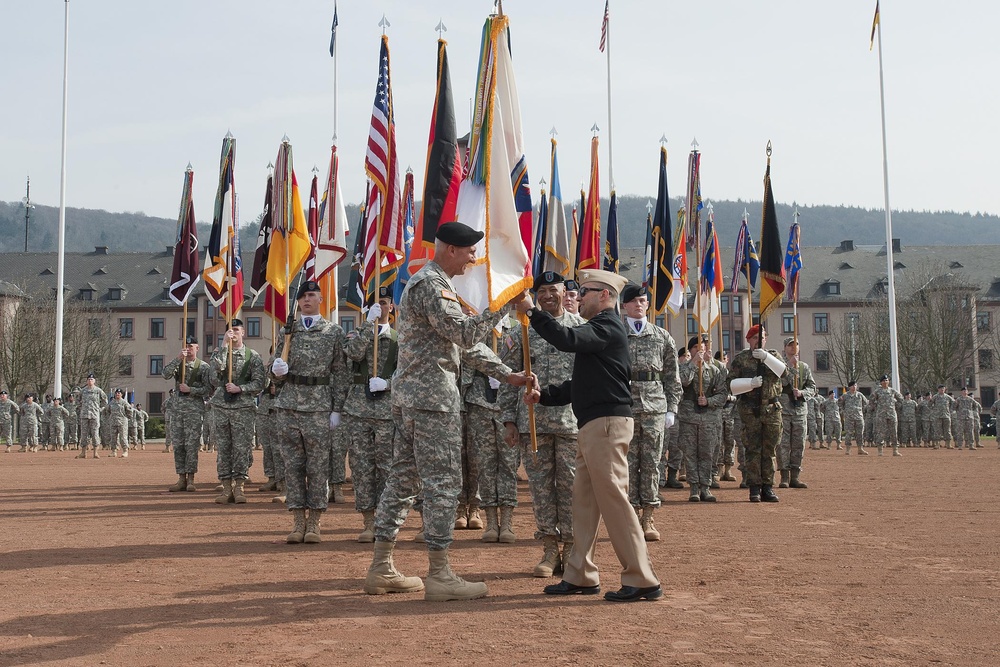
(553, 133)
(315, 169)
(595, 129)
(189, 168)
(663, 140)
(649, 207)
(285, 139)
(409, 169)
(541, 182)
(441, 29)
(384, 23)
(334, 139)
(694, 144)
(229, 135)
(270, 167)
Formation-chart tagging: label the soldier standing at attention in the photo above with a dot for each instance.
(705, 393)
(673, 455)
(726, 458)
(141, 417)
(853, 403)
(908, 422)
(311, 389)
(798, 387)
(831, 419)
(43, 423)
(968, 424)
(552, 469)
(7, 410)
(811, 424)
(755, 379)
(886, 402)
(58, 415)
(940, 409)
(265, 436)
(433, 332)
(187, 411)
(72, 422)
(119, 413)
(368, 423)
(656, 391)
(92, 401)
(31, 414)
(994, 411)
(238, 373)
(167, 406)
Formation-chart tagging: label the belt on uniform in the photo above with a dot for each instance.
(647, 376)
(307, 380)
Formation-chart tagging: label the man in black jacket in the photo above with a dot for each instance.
(601, 399)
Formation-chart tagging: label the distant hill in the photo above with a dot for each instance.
(821, 226)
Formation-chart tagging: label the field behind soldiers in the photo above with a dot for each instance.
(882, 561)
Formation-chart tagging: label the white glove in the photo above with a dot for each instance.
(759, 353)
(756, 381)
(494, 384)
(743, 385)
(374, 312)
(279, 367)
(668, 420)
(377, 384)
(334, 420)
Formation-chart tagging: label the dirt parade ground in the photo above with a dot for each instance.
(882, 561)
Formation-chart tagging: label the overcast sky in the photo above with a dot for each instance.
(154, 85)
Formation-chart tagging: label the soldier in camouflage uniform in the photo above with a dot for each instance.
(908, 422)
(852, 404)
(7, 410)
(187, 412)
(264, 429)
(167, 405)
(673, 455)
(755, 379)
(237, 372)
(31, 415)
(58, 417)
(141, 417)
(552, 469)
(368, 424)
(480, 429)
(798, 388)
(312, 384)
(954, 420)
(886, 403)
(118, 412)
(72, 422)
(940, 410)
(92, 401)
(965, 408)
(705, 392)
(831, 419)
(43, 423)
(725, 459)
(433, 331)
(811, 425)
(207, 423)
(818, 401)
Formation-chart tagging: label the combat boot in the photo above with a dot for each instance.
(879, 448)
(727, 474)
(442, 584)
(755, 494)
(383, 577)
(794, 480)
(181, 484)
(336, 493)
(550, 560)
(848, 452)
(81, 455)
(862, 451)
(672, 482)
(96, 454)
(715, 481)
(462, 517)
(492, 532)
(839, 446)
(166, 449)
(706, 495)
(475, 520)
(895, 450)
(190, 483)
(783, 484)
(506, 532)
(368, 534)
(649, 532)
(239, 497)
(743, 480)
(227, 493)
(767, 494)
(695, 494)
(267, 486)
(298, 527)
(280, 498)
(312, 534)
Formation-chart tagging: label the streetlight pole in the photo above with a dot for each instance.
(27, 211)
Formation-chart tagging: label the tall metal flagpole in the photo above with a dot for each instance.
(336, 283)
(611, 169)
(893, 345)
(61, 254)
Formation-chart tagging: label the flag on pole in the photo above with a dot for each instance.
(694, 203)
(661, 279)
(611, 243)
(875, 22)
(333, 31)
(312, 225)
(604, 26)
(541, 229)
(557, 240)
(403, 275)
(331, 244)
(223, 272)
(184, 276)
(258, 275)
(772, 270)
(746, 261)
(495, 197)
(679, 268)
(647, 254)
(590, 232)
(275, 304)
(356, 297)
(290, 244)
(711, 284)
(793, 262)
(443, 172)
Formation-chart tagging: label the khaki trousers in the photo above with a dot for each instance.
(601, 489)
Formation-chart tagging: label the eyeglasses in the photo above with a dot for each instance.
(584, 291)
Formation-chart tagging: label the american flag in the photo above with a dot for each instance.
(604, 27)
(385, 225)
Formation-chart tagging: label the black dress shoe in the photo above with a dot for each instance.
(633, 594)
(767, 495)
(566, 588)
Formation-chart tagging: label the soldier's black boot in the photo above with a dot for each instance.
(767, 494)
(672, 482)
(755, 494)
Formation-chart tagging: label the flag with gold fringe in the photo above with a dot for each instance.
(772, 268)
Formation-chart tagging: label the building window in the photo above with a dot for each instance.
(94, 327)
(190, 327)
(253, 327)
(115, 294)
(821, 323)
(165, 294)
(125, 365)
(661, 321)
(157, 328)
(154, 402)
(832, 288)
(347, 324)
(853, 320)
(787, 323)
(984, 322)
(737, 305)
(727, 341)
(156, 364)
(724, 305)
(738, 338)
(985, 360)
(210, 312)
(692, 325)
(86, 295)
(822, 360)
(125, 327)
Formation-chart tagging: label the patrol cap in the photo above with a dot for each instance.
(613, 280)
(547, 278)
(754, 331)
(191, 340)
(307, 286)
(236, 322)
(790, 340)
(385, 292)
(632, 291)
(572, 286)
(458, 234)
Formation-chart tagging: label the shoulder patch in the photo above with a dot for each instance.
(449, 295)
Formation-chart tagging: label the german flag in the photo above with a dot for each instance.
(772, 255)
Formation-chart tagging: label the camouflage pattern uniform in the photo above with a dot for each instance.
(118, 412)
(811, 425)
(908, 423)
(368, 423)
(498, 462)
(965, 407)
(886, 402)
(427, 404)
(869, 430)
(817, 401)
(700, 427)
(480, 429)
(92, 401)
(274, 466)
(853, 405)
(831, 420)
(954, 421)
(167, 415)
(793, 414)
(726, 455)
(940, 409)
(141, 417)
(552, 470)
(207, 424)
(72, 422)
(656, 390)
(233, 414)
(43, 424)
(57, 426)
(187, 412)
(760, 414)
(7, 410)
(31, 415)
(313, 388)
